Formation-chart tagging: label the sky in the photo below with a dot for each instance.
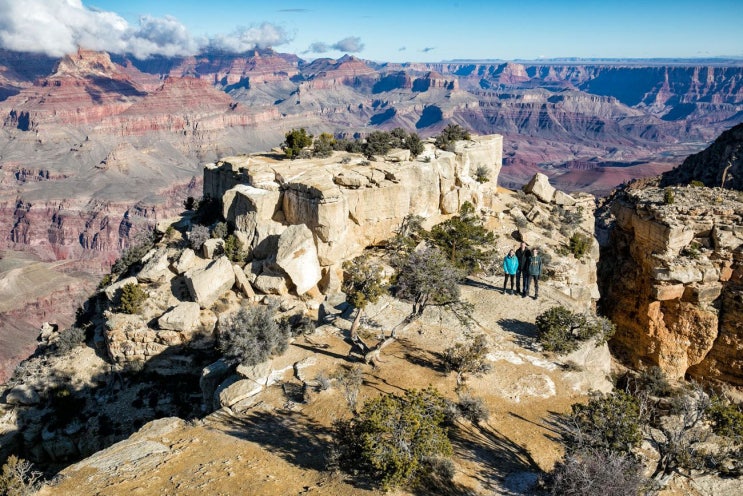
(383, 30)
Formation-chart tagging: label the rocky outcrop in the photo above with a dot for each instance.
(720, 162)
(672, 280)
(346, 204)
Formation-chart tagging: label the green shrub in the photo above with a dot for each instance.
(482, 174)
(579, 244)
(233, 249)
(220, 230)
(668, 196)
(132, 297)
(697, 184)
(295, 141)
(323, 146)
(252, 336)
(559, 330)
(451, 134)
(463, 238)
(393, 437)
(610, 422)
(726, 417)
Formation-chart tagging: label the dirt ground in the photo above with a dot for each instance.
(274, 445)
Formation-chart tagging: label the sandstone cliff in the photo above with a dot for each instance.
(672, 280)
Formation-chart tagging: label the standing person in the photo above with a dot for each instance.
(535, 271)
(510, 267)
(522, 254)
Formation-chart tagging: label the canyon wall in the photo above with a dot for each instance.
(671, 276)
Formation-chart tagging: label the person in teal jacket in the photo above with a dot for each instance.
(510, 267)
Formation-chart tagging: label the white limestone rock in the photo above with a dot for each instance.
(540, 187)
(182, 317)
(297, 256)
(157, 268)
(211, 282)
(563, 199)
(212, 247)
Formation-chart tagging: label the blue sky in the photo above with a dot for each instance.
(386, 30)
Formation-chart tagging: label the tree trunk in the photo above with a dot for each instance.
(355, 325)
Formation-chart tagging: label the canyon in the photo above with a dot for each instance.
(95, 149)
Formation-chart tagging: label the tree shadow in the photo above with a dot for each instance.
(525, 333)
(482, 284)
(502, 457)
(293, 436)
(422, 357)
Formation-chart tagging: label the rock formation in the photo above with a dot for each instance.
(672, 280)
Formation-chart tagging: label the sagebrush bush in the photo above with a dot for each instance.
(18, 478)
(393, 438)
(131, 299)
(591, 472)
(251, 336)
(69, 339)
(473, 408)
(469, 357)
(197, 236)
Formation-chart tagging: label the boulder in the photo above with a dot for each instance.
(157, 268)
(182, 317)
(246, 206)
(209, 283)
(242, 283)
(272, 282)
(187, 261)
(211, 376)
(668, 292)
(297, 256)
(114, 290)
(212, 247)
(236, 392)
(540, 187)
(563, 199)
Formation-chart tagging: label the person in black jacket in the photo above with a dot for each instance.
(523, 254)
(534, 272)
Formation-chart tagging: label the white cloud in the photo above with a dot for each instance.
(351, 44)
(242, 39)
(58, 27)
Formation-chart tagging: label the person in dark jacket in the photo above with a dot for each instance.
(522, 254)
(534, 270)
(510, 267)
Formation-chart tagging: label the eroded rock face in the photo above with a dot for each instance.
(672, 281)
(345, 202)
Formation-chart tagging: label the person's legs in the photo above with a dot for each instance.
(519, 275)
(526, 285)
(536, 286)
(512, 277)
(505, 280)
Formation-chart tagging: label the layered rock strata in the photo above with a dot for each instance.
(672, 277)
